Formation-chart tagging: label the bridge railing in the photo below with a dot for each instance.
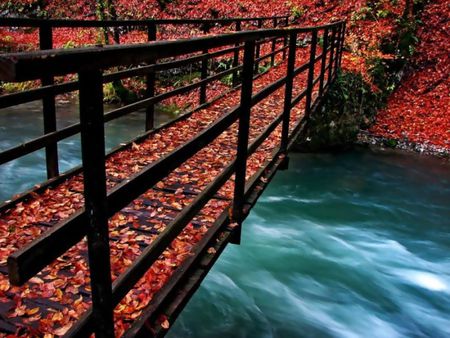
(89, 64)
(49, 90)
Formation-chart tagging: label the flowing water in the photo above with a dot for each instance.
(346, 245)
(354, 244)
(22, 123)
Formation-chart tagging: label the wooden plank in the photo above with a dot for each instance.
(236, 56)
(49, 107)
(41, 187)
(38, 143)
(332, 52)
(274, 44)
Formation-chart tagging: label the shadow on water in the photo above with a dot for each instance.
(341, 245)
(22, 123)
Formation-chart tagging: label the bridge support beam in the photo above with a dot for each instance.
(284, 165)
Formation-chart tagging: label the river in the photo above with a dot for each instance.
(24, 122)
(353, 244)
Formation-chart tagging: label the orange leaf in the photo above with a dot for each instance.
(33, 311)
(165, 324)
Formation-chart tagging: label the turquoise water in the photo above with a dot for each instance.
(354, 244)
(22, 123)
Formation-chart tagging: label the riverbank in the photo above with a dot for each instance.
(373, 141)
(416, 115)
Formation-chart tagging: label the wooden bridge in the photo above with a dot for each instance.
(157, 211)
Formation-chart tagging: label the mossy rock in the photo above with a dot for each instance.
(348, 106)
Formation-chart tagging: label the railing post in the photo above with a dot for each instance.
(204, 75)
(309, 88)
(288, 92)
(243, 133)
(342, 44)
(274, 44)
(49, 106)
(338, 51)
(324, 61)
(116, 35)
(236, 57)
(150, 81)
(93, 156)
(258, 49)
(333, 44)
(204, 68)
(206, 28)
(285, 42)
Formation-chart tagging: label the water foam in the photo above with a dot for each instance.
(426, 280)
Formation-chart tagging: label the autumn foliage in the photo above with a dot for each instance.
(58, 296)
(418, 111)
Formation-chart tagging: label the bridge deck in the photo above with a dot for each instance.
(53, 300)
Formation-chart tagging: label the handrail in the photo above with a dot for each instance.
(25, 66)
(31, 22)
(89, 63)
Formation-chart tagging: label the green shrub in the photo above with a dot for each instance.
(348, 106)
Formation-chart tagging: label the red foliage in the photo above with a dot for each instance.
(418, 111)
(312, 13)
